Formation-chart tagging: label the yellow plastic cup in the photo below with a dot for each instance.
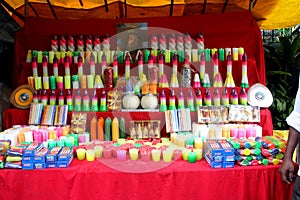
(167, 155)
(133, 154)
(80, 153)
(98, 151)
(90, 155)
(155, 155)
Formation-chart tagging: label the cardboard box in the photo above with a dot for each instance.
(32, 149)
(52, 154)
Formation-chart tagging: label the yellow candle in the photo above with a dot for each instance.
(198, 153)
(83, 81)
(185, 154)
(198, 143)
(115, 129)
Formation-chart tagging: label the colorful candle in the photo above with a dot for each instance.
(69, 100)
(163, 102)
(45, 66)
(103, 64)
(243, 97)
(190, 101)
(67, 81)
(198, 98)
(61, 99)
(60, 82)
(52, 82)
(115, 129)
(216, 97)
(234, 97)
(202, 67)
(52, 98)
(103, 107)
(46, 82)
(244, 82)
(77, 101)
(67, 66)
(127, 66)
(34, 67)
(107, 133)
(86, 102)
(225, 98)
(44, 98)
(207, 97)
(115, 68)
(172, 100)
(180, 99)
(229, 82)
(95, 102)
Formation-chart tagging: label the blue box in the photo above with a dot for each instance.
(39, 165)
(213, 148)
(215, 158)
(52, 154)
(230, 158)
(213, 164)
(51, 165)
(64, 163)
(228, 164)
(40, 156)
(27, 165)
(27, 159)
(32, 149)
(65, 154)
(227, 148)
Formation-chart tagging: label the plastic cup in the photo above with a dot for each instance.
(155, 155)
(167, 155)
(133, 154)
(198, 153)
(107, 153)
(98, 151)
(121, 154)
(235, 54)
(145, 156)
(90, 155)
(121, 141)
(177, 154)
(80, 153)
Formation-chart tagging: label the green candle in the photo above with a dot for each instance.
(207, 55)
(192, 157)
(180, 55)
(146, 55)
(107, 128)
(51, 143)
(221, 54)
(52, 82)
(121, 57)
(122, 128)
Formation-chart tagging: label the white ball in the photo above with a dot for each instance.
(131, 101)
(149, 102)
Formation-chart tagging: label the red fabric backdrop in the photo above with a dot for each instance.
(237, 29)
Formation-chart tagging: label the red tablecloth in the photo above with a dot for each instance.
(180, 180)
(13, 116)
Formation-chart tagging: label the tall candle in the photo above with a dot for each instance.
(52, 82)
(107, 132)
(115, 129)
(59, 82)
(67, 66)
(221, 54)
(79, 66)
(115, 68)
(67, 81)
(83, 81)
(46, 82)
(34, 67)
(38, 83)
(45, 66)
(90, 81)
(93, 128)
(100, 133)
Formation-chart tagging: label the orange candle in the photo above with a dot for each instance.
(100, 134)
(93, 128)
(153, 88)
(21, 137)
(115, 129)
(83, 81)
(145, 88)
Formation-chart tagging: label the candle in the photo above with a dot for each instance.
(59, 82)
(241, 53)
(115, 129)
(192, 157)
(235, 54)
(38, 83)
(83, 81)
(46, 82)
(100, 134)
(34, 67)
(67, 66)
(107, 132)
(80, 152)
(185, 154)
(75, 82)
(198, 143)
(207, 54)
(122, 126)
(167, 56)
(45, 66)
(145, 155)
(221, 54)
(199, 153)
(90, 81)
(93, 128)
(107, 152)
(67, 81)
(39, 57)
